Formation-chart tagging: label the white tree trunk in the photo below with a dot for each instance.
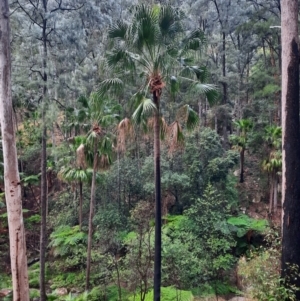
(11, 173)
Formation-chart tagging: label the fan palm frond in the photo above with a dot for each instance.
(273, 135)
(145, 107)
(112, 84)
(174, 85)
(209, 90)
(244, 125)
(191, 119)
(212, 96)
(188, 116)
(123, 59)
(144, 32)
(84, 101)
(118, 31)
(168, 22)
(194, 41)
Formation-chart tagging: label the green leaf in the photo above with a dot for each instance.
(194, 41)
(192, 118)
(112, 84)
(118, 31)
(145, 107)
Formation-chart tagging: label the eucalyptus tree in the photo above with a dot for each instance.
(153, 47)
(11, 173)
(290, 141)
(41, 15)
(101, 114)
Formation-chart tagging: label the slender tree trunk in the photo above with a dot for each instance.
(11, 173)
(275, 193)
(43, 238)
(92, 205)
(157, 243)
(118, 279)
(290, 140)
(224, 84)
(216, 123)
(271, 197)
(80, 205)
(242, 159)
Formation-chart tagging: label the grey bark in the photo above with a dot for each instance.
(290, 141)
(43, 236)
(11, 172)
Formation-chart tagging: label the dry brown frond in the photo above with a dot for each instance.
(103, 162)
(125, 130)
(181, 114)
(164, 128)
(175, 137)
(150, 124)
(80, 157)
(156, 84)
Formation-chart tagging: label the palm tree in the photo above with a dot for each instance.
(240, 141)
(96, 152)
(273, 164)
(153, 47)
(77, 175)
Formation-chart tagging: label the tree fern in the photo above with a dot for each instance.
(64, 238)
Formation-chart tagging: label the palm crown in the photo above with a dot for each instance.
(153, 47)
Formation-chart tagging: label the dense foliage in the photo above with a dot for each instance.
(220, 155)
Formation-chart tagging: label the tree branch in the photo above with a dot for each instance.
(37, 71)
(56, 100)
(29, 16)
(65, 8)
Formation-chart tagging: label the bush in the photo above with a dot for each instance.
(261, 275)
(68, 280)
(34, 293)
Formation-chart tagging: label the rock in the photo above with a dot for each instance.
(239, 299)
(5, 292)
(61, 291)
(257, 198)
(75, 290)
(236, 173)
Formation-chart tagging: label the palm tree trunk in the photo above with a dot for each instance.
(92, 203)
(80, 205)
(157, 243)
(11, 173)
